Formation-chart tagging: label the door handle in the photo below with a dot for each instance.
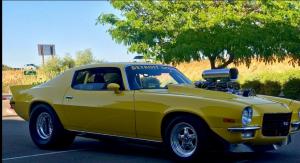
(69, 97)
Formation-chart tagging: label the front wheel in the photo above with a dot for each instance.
(186, 138)
(46, 131)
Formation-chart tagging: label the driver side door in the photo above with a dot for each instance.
(91, 107)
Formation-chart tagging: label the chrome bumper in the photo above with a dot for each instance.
(295, 124)
(243, 129)
(295, 127)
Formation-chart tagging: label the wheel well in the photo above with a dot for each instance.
(37, 103)
(167, 118)
(44, 103)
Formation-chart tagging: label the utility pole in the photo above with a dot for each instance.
(43, 58)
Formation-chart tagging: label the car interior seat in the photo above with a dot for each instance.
(150, 83)
(113, 78)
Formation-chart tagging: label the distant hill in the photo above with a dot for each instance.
(5, 67)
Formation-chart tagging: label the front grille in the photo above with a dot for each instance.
(276, 124)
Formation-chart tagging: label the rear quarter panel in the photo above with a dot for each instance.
(51, 93)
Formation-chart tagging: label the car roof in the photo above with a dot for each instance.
(115, 64)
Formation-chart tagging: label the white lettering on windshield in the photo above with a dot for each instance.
(144, 67)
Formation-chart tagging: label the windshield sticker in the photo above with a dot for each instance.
(145, 67)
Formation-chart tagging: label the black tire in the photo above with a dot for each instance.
(262, 148)
(58, 138)
(202, 133)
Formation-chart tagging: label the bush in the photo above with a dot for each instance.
(291, 89)
(52, 67)
(67, 62)
(84, 57)
(254, 84)
(272, 88)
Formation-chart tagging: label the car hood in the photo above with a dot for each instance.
(190, 90)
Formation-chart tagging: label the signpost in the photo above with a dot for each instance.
(46, 49)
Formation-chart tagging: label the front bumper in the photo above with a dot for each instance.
(295, 127)
(247, 132)
(244, 147)
(243, 129)
(254, 135)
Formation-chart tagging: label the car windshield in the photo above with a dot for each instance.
(154, 76)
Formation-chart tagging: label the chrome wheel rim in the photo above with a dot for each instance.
(44, 125)
(183, 139)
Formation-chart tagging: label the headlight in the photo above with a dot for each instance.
(247, 116)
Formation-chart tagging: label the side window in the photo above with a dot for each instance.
(97, 78)
(81, 75)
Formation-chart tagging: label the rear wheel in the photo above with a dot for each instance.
(46, 131)
(186, 138)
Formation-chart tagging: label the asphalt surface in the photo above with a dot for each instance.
(18, 147)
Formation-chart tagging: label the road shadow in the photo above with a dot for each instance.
(16, 138)
(157, 151)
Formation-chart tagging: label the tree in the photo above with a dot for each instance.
(52, 67)
(67, 62)
(222, 31)
(84, 57)
(56, 65)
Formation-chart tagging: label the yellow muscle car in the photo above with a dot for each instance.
(157, 103)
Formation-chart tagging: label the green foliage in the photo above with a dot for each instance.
(291, 89)
(52, 67)
(281, 77)
(56, 65)
(84, 57)
(272, 88)
(222, 31)
(67, 62)
(253, 84)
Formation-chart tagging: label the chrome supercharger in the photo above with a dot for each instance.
(223, 80)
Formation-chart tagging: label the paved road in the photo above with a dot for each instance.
(18, 147)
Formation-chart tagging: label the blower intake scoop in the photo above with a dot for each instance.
(221, 74)
(223, 80)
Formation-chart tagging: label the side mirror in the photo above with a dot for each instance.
(114, 87)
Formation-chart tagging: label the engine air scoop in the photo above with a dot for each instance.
(224, 80)
(221, 74)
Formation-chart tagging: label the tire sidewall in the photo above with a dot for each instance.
(202, 135)
(57, 128)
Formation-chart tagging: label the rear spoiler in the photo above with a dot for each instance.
(16, 89)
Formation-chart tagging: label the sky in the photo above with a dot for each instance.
(70, 25)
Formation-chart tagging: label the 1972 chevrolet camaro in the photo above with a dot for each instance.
(152, 102)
